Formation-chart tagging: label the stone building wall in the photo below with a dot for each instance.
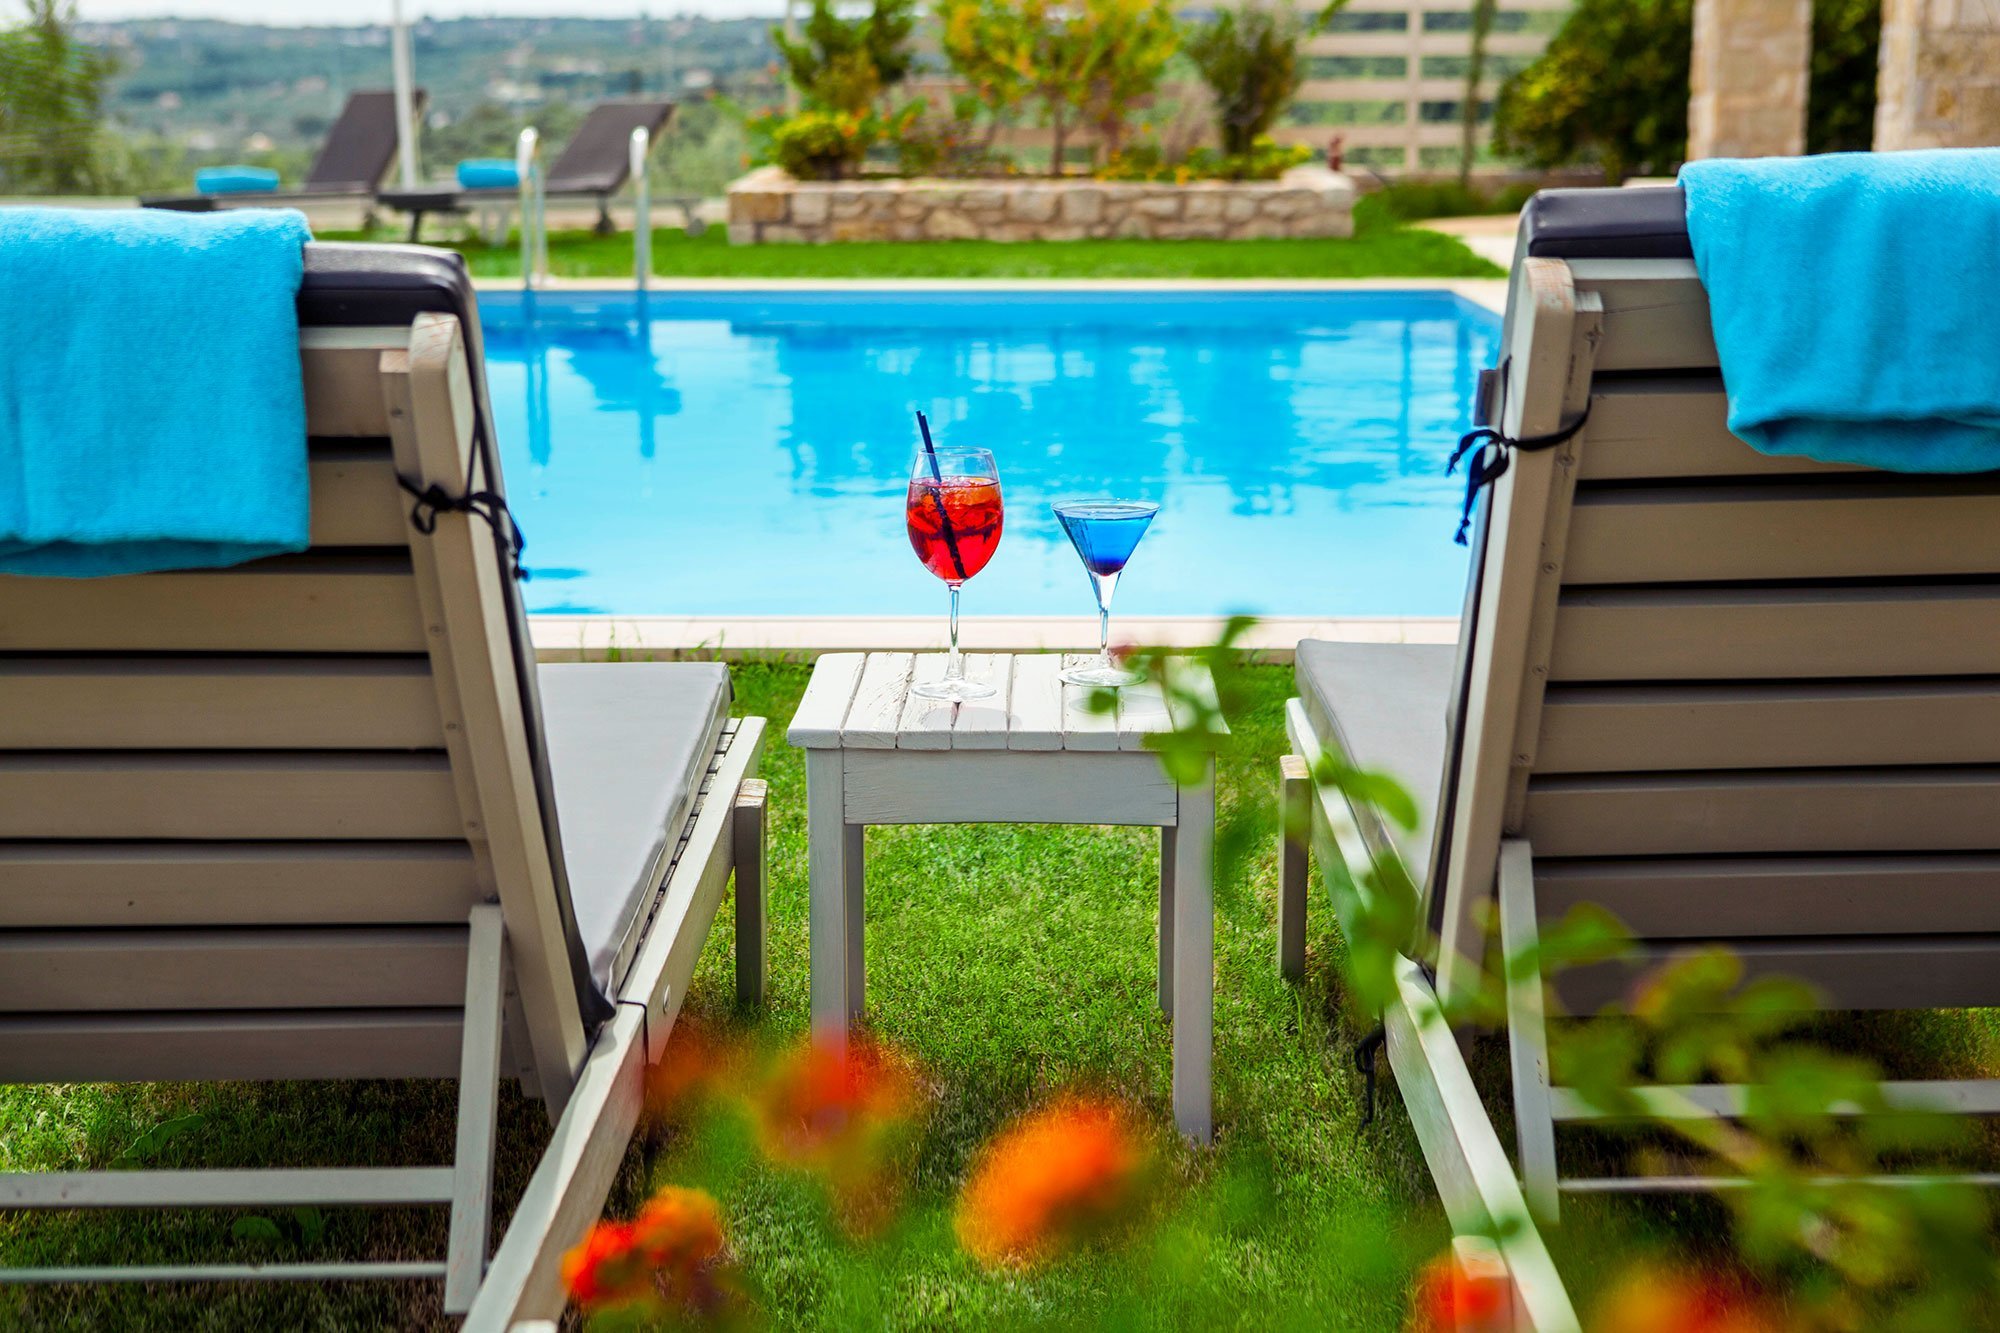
(1940, 84)
(768, 206)
(1749, 78)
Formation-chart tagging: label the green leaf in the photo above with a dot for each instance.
(149, 1145)
(256, 1230)
(311, 1223)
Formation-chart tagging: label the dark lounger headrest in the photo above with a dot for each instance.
(1647, 222)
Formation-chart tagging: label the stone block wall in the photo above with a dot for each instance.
(1940, 84)
(1748, 78)
(769, 206)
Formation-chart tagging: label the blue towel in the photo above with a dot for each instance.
(1856, 303)
(152, 414)
(235, 180)
(489, 173)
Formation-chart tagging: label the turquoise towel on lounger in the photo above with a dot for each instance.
(1855, 299)
(152, 414)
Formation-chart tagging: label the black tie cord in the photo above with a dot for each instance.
(491, 506)
(1491, 450)
(1364, 1060)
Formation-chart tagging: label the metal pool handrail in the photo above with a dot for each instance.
(534, 220)
(642, 206)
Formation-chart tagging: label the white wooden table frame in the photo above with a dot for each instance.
(1032, 754)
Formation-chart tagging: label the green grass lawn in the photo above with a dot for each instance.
(1009, 963)
(1380, 248)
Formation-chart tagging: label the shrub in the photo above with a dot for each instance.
(823, 145)
(845, 64)
(1266, 160)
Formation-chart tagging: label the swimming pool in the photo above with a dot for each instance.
(746, 453)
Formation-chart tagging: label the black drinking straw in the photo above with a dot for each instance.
(937, 496)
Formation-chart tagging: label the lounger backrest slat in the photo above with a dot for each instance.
(597, 159)
(1761, 696)
(360, 146)
(237, 806)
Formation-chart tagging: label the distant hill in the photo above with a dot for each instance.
(238, 89)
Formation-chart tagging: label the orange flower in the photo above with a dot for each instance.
(1448, 1298)
(1057, 1174)
(1653, 1300)
(603, 1270)
(843, 1115)
(677, 1236)
(688, 1068)
(668, 1251)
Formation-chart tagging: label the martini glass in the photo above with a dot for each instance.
(1104, 533)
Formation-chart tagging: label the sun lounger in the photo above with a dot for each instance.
(322, 817)
(1730, 697)
(594, 165)
(350, 165)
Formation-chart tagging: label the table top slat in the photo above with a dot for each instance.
(816, 726)
(1142, 710)
(1084, 729)
(1035, 708)
(877, 712)
(926, 723)
(981, 724)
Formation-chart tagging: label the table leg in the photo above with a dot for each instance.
(857, 969)
(1194, 960)
(827, 846)
(1167, 921)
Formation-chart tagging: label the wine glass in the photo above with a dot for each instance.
(954, 513)
(1104, 533)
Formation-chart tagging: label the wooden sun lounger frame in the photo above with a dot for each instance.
(412, 384)
(1568, 321)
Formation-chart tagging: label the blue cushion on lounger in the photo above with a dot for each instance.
(235, 180)
(489, 173)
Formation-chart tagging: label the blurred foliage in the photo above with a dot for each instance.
(1840, 109)
(1611, 89)
(1250, 59)
(51, 103)
(1411, 200)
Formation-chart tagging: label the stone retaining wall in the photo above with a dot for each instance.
(768, 206)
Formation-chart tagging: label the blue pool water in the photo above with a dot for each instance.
(746, 453)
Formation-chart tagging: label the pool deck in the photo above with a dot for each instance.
(561, 638)
(1487, 293)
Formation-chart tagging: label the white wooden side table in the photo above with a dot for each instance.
(1031, 754)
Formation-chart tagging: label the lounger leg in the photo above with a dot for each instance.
(1194, 960)
(1294, 849)
(1166, 986)
(478, 1098)
(748, 831)
(826, 837)
(1527, 1037)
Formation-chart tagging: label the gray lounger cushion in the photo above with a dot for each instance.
(1383, 706)
(628, 744)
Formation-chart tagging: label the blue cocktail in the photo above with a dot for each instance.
(1104, 533)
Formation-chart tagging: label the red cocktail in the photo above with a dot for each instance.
(954, 513)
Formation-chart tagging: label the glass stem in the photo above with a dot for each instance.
(1106, 584)
(954, 667)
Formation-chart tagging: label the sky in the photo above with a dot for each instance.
(367, 11)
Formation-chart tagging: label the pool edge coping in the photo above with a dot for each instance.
(596, 638)
(1489, 294)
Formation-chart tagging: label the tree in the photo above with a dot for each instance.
(51, 98)
(1840, 110)
(1612, 88)
(1249, 58)
(844, 64)
(1127, 44)
(1475, 74)
(1095, 58)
